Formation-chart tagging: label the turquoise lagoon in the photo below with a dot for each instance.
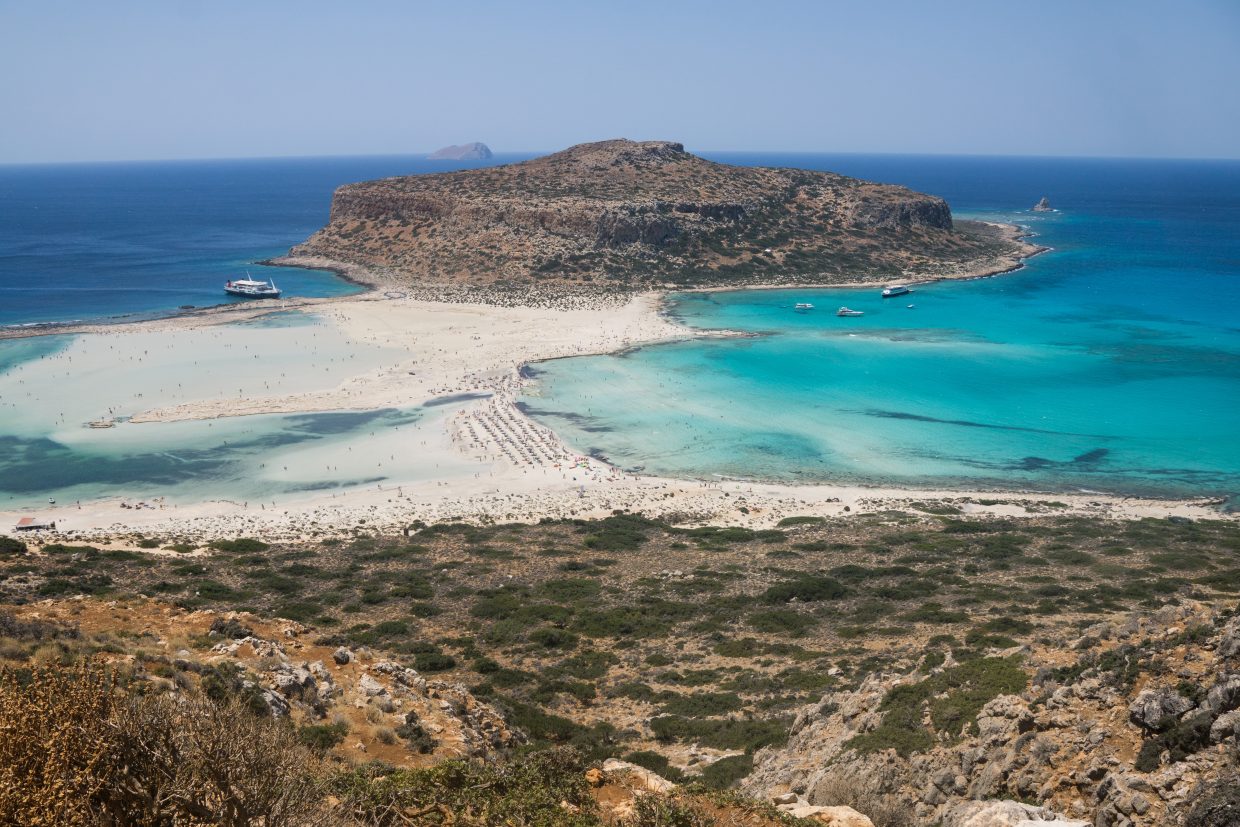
(1110, 364)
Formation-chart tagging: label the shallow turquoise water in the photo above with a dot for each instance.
(51, 387)
(1110, 364)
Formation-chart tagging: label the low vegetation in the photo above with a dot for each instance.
(628, 636)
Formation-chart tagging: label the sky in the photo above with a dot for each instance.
(121, 80)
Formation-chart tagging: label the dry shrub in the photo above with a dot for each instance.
(867, 796)
(55, 747)
(217, 763)
(73, 750)
(654, 810)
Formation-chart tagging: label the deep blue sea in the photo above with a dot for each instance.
(1111, 363)
(85, 241)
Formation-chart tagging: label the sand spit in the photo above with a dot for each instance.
(471, 356)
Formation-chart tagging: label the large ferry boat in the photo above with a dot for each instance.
(248, 288)
(895, 290)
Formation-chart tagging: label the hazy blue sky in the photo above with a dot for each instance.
(188, 79)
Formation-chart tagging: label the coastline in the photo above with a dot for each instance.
(379, 285)
(480, 355)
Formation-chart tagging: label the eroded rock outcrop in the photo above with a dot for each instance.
(1124, 737)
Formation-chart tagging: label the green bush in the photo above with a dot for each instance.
(553, 638)
(781, 622)
(415, 736)
(806, 589)
(571, 588)
(543, 788)
(656, 763)
(791, 521)
(748, 734)
(322, 737)
(433, 662)
(703, 704)
(725, 772)
(242, 545)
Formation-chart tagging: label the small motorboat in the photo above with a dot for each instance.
(896, 290)
(803, 306)
(844, 311)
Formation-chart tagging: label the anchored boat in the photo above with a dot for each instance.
(896, 290)
(248, 288)
(844, 311)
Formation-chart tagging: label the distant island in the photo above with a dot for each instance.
(476, 151)
(1043, 206)
(622, 215)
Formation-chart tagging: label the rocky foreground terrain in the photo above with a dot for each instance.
(916, 667)
(622, 215)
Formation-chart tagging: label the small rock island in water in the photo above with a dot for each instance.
(476, 151)
(1043, 206)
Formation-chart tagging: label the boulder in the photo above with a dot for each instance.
(294, 681)
(230, 628)
(402, 675)
(1002, 719)
(832, 816)
(648, 781)
(276, 705)
(370, 687)
(1153, 705)
(1225, 726)
(1224, 696)
(1004, 814)
(342, 656)
(1229, 643)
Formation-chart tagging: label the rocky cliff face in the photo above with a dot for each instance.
(631, 214)
(1135, 723)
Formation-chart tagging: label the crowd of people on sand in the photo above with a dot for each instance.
(524, 295)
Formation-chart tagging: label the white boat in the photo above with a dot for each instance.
(895, 290)
(248, 288)
(844, 311)
(804, 306)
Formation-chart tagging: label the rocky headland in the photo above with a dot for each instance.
(620, 216)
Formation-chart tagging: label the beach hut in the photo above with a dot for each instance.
(34, 524)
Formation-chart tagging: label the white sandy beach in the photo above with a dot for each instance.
(479, 458)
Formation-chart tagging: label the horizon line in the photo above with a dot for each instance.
(527, 154)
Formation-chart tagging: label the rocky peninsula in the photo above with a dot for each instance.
(625, 216)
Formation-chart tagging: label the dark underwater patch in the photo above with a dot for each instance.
(453, 398)
(964, 423)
